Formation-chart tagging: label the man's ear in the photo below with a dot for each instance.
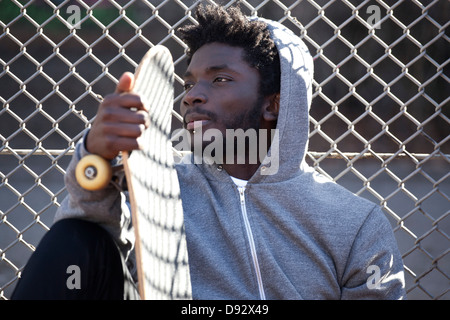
(271, 107)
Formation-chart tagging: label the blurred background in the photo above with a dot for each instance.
(379, 120)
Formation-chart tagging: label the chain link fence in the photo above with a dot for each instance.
(379, 118)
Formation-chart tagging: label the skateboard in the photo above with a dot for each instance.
(154, 192)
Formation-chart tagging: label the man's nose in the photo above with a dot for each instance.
(195, 96)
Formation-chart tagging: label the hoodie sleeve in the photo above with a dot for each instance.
(374, 267)
(106, 207)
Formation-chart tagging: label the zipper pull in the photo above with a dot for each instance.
(241, 194)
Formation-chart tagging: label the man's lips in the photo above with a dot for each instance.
(196, 124)
(194, 121)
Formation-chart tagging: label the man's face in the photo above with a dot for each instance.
(222, 90)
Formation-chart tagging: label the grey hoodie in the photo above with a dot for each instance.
(289, 234)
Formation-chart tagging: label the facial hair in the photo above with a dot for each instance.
(248, 120)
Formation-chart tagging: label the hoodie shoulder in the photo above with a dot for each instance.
(336, 197)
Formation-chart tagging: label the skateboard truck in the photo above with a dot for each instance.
(93, 172)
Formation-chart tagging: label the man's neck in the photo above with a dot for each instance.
(246, 170)
(241, 171)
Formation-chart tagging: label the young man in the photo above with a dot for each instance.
(273, 229)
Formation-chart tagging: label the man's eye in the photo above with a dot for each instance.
(221, 79)
(187, 86)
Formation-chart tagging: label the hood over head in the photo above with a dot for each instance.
(288, 150)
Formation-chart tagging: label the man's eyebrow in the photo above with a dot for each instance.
(216, 68)
(211, 69)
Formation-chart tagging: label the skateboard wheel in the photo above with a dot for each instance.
(93, 172)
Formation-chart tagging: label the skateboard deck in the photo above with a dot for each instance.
(154, 192)
(161, 251)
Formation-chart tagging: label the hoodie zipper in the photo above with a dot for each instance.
(248, 230)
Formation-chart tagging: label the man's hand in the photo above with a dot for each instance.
(121, 119)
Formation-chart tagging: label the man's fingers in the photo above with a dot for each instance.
(126, 83)
(120, 116)
(121, 119)
(125, 100)
(125, 144)
(125, 130)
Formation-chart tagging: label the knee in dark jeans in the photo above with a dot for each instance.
(76, 259)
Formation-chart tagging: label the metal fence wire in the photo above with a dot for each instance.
(379, 117)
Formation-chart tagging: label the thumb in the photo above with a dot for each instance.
(126, 83)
